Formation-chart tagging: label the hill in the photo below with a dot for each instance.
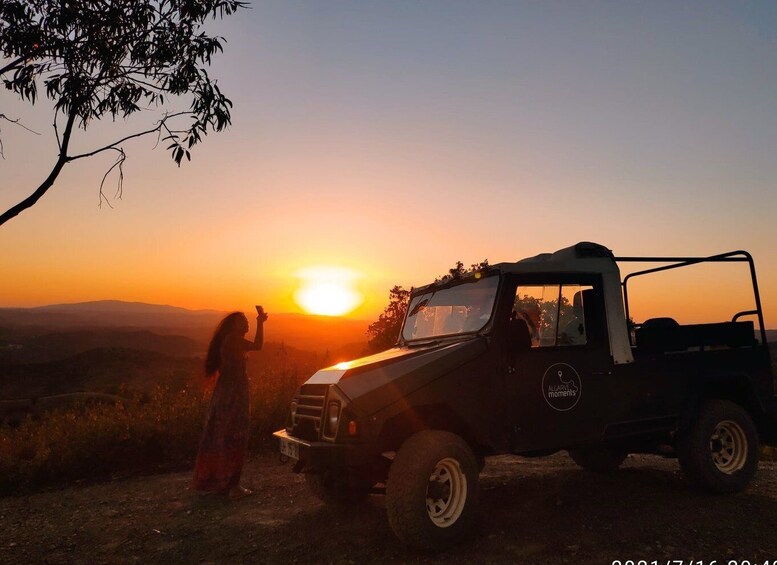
(313, 333)
(118, 347)
(106, 370)
(122, 307)
(317, 333)
(37, 348)
(115, 370)
(110, 313)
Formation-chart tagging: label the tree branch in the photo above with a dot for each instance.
(56, 131)
(15, 122)
(47, 184)
(12, 65)
(113, 146)
(119, 163)
(18, 122)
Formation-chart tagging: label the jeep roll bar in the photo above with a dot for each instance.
(677, 262)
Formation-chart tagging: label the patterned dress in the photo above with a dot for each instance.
(224, 440)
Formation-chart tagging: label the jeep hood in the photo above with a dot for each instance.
(378, 380)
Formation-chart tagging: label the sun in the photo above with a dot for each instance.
(327, 291)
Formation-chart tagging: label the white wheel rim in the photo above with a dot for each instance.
(446, 493)
(728, 445)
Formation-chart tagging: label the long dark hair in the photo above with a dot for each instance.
(213, 360)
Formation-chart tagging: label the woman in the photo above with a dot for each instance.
(223, 445)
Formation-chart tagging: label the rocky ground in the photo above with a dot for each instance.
(532, 511)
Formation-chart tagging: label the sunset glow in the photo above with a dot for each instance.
(327, 291)
(396, 155)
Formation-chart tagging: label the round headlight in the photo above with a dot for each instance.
(333, 415)
(293, 409)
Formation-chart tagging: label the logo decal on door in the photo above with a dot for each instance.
(561, 387)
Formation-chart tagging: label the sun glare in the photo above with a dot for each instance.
(327, 291)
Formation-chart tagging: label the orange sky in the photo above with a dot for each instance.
(395, 140)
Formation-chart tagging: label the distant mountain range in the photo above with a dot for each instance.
(125, 370)
(44, 347)
(311, 333)
(108, 313)
(112, 346)
(104, 370)
(121, 307)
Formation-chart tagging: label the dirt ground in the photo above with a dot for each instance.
(531, 511)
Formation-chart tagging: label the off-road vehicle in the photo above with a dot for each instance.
(531, 358)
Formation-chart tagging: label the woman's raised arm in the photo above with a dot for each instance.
(261, 318)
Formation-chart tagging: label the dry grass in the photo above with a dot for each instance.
(144, 434)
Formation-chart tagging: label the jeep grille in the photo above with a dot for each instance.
(310, 409)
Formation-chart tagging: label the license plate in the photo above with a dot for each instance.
(289, 448)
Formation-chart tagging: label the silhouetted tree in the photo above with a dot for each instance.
(384, 332)
(458, 270)
(98, 58)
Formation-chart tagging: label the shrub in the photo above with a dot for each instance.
(145, 433)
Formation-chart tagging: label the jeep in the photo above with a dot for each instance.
(531, 358)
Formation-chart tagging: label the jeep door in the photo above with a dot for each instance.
(558, 361)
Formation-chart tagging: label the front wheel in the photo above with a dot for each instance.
(432, 490)
(719, 453)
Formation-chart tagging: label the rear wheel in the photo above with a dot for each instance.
(598, 458)
(719, 453)
(432, 490)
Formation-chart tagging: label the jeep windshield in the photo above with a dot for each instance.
(459, 309)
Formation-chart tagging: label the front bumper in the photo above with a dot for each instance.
(319, 455)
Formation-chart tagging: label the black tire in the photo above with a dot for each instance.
(719, 452)
(598, 458)
(338, 490)
(432, 490)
